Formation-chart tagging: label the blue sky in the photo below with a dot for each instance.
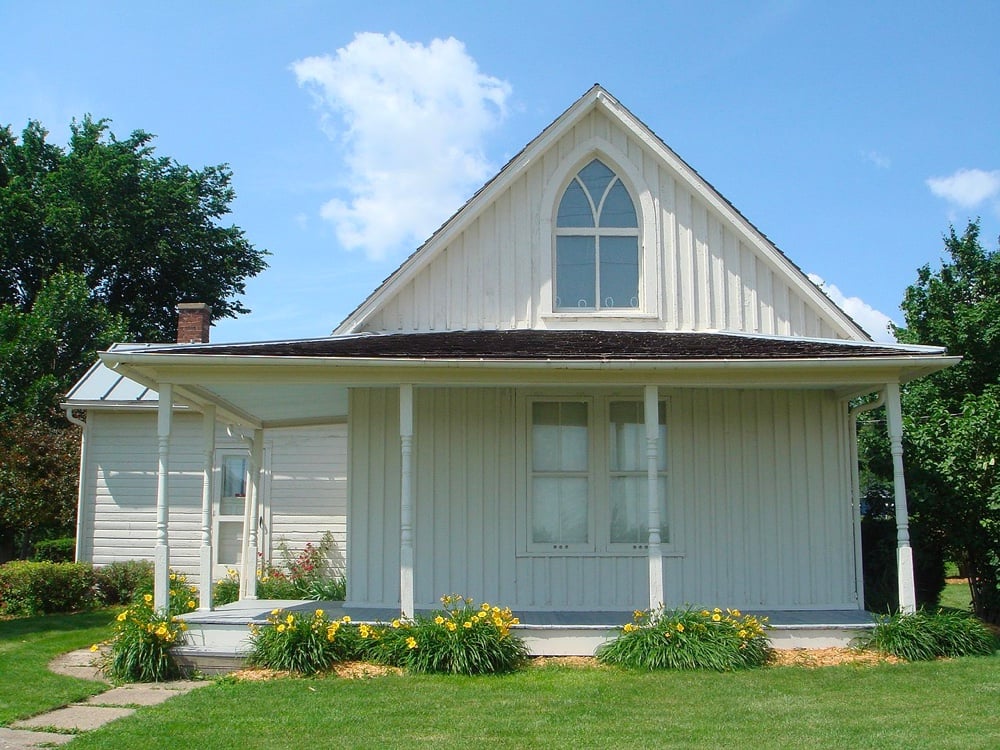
(850, 133)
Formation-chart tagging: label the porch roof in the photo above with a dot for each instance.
(534, 344)
(302, 382)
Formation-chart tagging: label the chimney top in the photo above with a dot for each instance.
(194, 320)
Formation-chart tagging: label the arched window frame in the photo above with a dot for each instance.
(649, 261)
(600, 234)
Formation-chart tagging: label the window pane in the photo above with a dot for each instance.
(575, 272)
(234, 486)
(618, 209)
(574, 209)
(627, 436)
(234, 476)
(595, 176)
(619, 271)
(559, 510)
(230, 542)
(545, 436)
(559, 436)
(573, 434)
(630, 512)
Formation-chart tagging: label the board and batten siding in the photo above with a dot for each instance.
(758, 505)
(708, 275)
(304, 487)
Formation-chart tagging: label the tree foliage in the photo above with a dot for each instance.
(99, 241)
(142, 229)
(952, 418)
(43, 350)
(38, 481)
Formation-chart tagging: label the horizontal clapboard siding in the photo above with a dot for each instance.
(304, 488)
(709, 277)
(759, 512)
(307, 481)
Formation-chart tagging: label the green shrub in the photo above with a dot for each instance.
(55, 550)
(689, 639)
(460, 639)
(922, 635)
(878, 556)
(299, 643)
(38, 588)
(140, 647)
(122, 582)
(305, 574)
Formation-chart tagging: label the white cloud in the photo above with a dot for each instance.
(879, 160)
(875, 322)
(412, 119)
(967, 188)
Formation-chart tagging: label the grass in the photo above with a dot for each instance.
(956, 596)
(27, 645)
(940, 704)
(944, 704)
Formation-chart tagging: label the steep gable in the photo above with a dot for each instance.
(702, 265)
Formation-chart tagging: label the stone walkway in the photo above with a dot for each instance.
(95, 712)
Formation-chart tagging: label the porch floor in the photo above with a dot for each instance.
(256, 611)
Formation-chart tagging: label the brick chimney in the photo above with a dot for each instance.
(193, 322)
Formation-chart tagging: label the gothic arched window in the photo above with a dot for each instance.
(597, 243)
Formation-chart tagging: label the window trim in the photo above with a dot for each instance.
(597, 232)
(532, 473)
(221, 454)
(650, 271)
(599, 481)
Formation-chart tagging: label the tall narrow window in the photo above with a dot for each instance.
(560, 481)
(597, 243)
(628, 473)
(232, 504)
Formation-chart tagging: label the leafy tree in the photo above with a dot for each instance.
(142, 229)
(45, 349)
(38, 482)
(98, 241)
(952, 422)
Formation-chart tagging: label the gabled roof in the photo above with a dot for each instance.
(595, 97)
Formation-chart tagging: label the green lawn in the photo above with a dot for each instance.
(946, 704)
(27, 687)
(953, 704)
(956, 596)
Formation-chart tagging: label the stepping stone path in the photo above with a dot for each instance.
(95, 712)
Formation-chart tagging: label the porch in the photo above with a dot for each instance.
(217, 639)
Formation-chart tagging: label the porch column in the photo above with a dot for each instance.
(208, 442)
(904, 554)
(161, 552)
(406, 500)
(652, 419)
(251, 520)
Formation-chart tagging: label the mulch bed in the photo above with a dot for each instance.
(810, 658)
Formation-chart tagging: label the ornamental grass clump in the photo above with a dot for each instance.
(140, 647)
(459, 639)
(305, 643)
(922, 635)
(716, 639)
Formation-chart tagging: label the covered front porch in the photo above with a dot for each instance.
(758, 474)
(218, 640)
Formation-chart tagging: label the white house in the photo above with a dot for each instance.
(597, 387)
